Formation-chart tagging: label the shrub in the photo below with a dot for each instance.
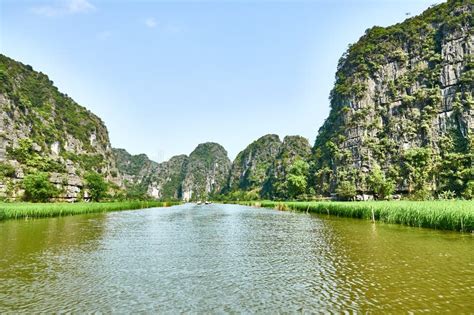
(38, 188)
(346, 190)
(6, 170)
(296, 180)
(96, 185)
(381, 186)
(469, 191)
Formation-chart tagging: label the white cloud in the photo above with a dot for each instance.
(64, 7)
(151, 22)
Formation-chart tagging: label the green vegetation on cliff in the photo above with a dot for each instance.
(263, 169)
(207, 171)
(401, 110)
(43, 130)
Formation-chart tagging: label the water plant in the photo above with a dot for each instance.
(38, 210)
(456, 215)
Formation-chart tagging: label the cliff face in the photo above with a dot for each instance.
(203, 174)
(293, 148)
(207, 171)
(135, 170)
(402, 108)
(167, 181)
(262, 167)
(250, 167)
(43, 130)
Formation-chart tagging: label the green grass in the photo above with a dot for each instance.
(21, 210)
(456, 215)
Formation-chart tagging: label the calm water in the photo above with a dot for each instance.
(224, 258)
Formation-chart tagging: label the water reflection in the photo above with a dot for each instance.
(224, 258)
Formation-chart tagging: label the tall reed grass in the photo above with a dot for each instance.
(456, 215)
(21, 210)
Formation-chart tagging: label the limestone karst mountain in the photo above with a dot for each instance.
(44, 130)
(402, 109)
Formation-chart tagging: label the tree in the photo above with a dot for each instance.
(418, 166)
(96, 186)
(381, 186)
(297, 178)
(469, 191)
(346, 190)
(38, 188)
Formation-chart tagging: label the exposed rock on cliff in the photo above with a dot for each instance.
(203, 174)
(293, 148)
(207, 171)
(43, 130)
(167, 181)
(262, 167)
(250, 167)
(402, 109)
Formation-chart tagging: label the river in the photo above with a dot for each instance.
(228, 258)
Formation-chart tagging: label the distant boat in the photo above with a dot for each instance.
(199, 203)
(208, 202)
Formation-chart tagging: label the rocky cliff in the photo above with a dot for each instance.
(44, 130)
(402, 109)
(293, 148)
(262, 167)
(207, 171)
(203, 174)
(135, 170)
(167, 181)
(250, 167)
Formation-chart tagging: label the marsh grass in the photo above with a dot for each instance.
(456, 215)
(21, 210)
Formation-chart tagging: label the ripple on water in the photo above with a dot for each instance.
(231, 259)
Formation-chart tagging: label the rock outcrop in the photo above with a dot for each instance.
(250, 167)
(402, 108)
(293, 148)
(44, 130)
(200, 176)
(207, 172)
(262, 167)
(167, 181)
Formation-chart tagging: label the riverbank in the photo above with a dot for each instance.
(19, 210)
(456, 215)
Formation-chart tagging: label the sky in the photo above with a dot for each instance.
(165, 76)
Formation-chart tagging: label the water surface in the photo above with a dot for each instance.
(226, 258)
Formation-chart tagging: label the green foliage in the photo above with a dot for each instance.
(417, 168)
(38, 188)
(346, 190)
(447, 195)
(96, 185)
(468, 193)
(404, 108)
(33, 160)
(297, 178)
(34, 94)
(6, 170)
(136, 192)
(379, 184)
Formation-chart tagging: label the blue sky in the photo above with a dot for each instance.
(168, 75)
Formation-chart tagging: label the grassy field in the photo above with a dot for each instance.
(21, 210)
(456, 215)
